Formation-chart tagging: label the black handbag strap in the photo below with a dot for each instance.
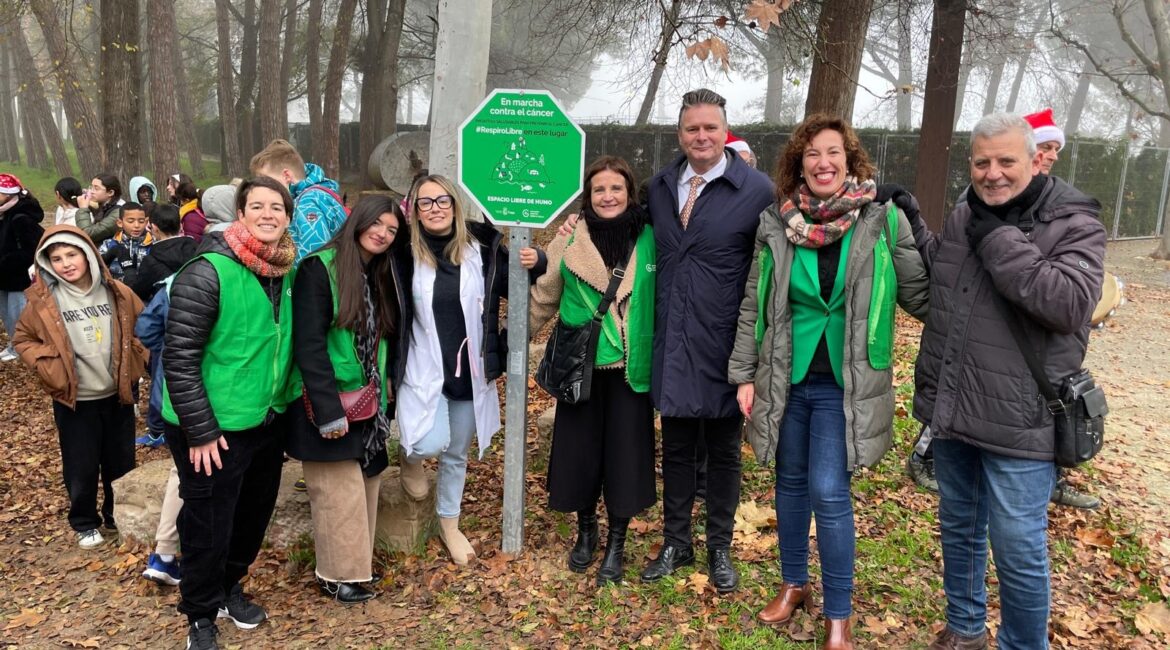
(1034, 361)
(615, 280)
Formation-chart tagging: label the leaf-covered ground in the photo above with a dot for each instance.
(1110, 574)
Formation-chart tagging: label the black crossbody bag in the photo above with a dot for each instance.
(1078, 409)
(566, 371)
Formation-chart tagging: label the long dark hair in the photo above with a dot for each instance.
(347, 268)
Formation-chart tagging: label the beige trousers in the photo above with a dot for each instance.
(344, 505)
(166, 537)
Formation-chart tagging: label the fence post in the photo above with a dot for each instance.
(1117, 205)
(1072, 160)
(1162, 200)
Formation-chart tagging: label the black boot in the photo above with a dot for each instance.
(615, 551)
(582, 554)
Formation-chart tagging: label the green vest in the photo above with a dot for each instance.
(347, 368)
(248, 358)
(812, 317)
(579, 303)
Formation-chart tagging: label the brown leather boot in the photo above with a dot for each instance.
(790, 598)
(948, 639)
(839, 634)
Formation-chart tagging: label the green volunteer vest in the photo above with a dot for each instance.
(579, 303)
(347, 368)
(812, 317)
(248, 358)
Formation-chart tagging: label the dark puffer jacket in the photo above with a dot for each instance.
(20, 230)
(972, 382)
(193, 314)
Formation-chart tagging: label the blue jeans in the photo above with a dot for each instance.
(449, 439)
(812, 477)
(12, 303)
(984, 495)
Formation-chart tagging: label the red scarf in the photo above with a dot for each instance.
(265, 260)
(812, 222)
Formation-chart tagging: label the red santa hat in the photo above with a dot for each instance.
(737, 143)
(1044, 127)
(10, 184)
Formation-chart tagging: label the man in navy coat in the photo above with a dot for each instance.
(705, 207)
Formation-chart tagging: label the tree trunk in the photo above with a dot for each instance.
(380, 73)
(286, 58)
(461, 65)
(774, 99)
(661, 56)
(942, 74)
(269, 100)
(961, 88)
(905, 102)
(231, 163)
(993, 82)
(163, 108)
(330, 120)
(1077, 107)
(83, 122)
(313, 79)
(9, 145)
(120, 85)
(186, 130)
(840, 42)
(34, 144)
(43, 131)
(1021, 70)
(248, 62)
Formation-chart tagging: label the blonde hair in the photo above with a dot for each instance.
(278, 155)
(455, 248)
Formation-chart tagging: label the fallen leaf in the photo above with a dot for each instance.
(1154, 617)
(26, 618)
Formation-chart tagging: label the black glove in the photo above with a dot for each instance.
(980, 226)
(901, 198)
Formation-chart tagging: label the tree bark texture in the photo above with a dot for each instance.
(288, 56)
(245, 102)
(163, 109)
(269, 100)
(661, 57)
(840, 42)
(120, 86)
(34, 144)
(313, 78)
(961, 88)
(232, 163)
(942, 74)
(380, 73)
(905, 102)
(44, 132)
(83, 122)
(460, 81)
(328, 149)
(9, 144)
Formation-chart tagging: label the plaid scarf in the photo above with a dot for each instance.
(813, 222)
(264, 260)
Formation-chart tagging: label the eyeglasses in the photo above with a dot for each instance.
(444, 201)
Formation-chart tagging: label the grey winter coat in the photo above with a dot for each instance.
(869, 393)
(972, 382)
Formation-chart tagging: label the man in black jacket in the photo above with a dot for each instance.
(169, 253)
(1024, 247)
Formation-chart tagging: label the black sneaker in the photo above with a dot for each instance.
(201, 635)
(921, 471)
(243, 612)
(1066, 495)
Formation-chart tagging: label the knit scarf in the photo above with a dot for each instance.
(812, 222)
(613, 237)
(265, 260)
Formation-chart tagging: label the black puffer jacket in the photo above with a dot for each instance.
(971, 379)
(193, 314)
(166, 257)
(20, 231)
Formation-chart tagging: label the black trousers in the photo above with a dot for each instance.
(97, 442)
(224, 516)
(680, 437)
(605, 444)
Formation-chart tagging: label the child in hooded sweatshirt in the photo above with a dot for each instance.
(77, 333)
(124, 252)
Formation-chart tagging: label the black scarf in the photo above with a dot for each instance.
(613, 237)
(1011, 211)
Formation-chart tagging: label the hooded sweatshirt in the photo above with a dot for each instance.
(88, 316)
(219, 206)
(136, 184)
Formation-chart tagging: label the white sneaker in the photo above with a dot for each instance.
(90, 539)
(8, 355)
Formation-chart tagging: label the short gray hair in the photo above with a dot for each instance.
(702, 96)
(996, 124)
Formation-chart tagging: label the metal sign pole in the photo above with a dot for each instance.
(516, 408)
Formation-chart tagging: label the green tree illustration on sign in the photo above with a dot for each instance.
(521, 167)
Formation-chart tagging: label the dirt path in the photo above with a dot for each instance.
(1131, 358)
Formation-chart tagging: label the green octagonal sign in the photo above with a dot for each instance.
(521, 158)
